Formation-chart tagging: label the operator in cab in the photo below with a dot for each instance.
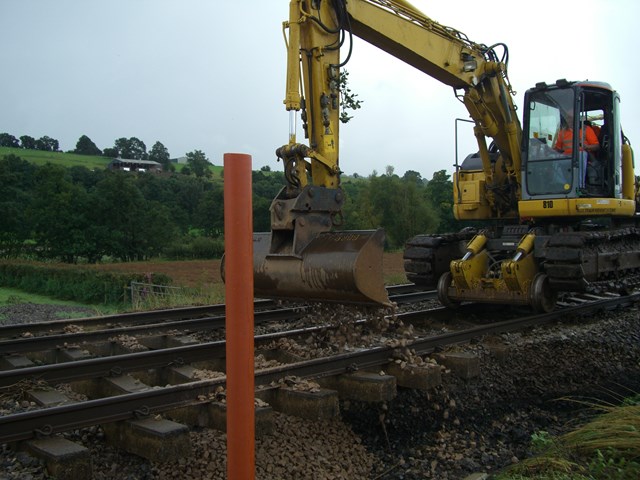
(587, 143)
(564, 142)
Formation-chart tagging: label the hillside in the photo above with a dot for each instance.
(40, 157)
(65, 159)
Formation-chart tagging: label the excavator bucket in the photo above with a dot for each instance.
(334, 266)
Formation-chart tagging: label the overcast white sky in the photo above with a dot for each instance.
(209, 74)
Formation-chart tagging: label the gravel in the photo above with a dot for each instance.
(529, 382)
(34, 312)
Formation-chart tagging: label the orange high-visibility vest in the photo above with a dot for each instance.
(564, 141)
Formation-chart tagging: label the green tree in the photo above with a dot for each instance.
(8, 140)
(87, 179)
(74, 213)
(166, 191)
(209, 216)
(16, 184)
(266, 186)
(138, 148)
(351, 209)
(57, 215)
(111, 152)
(397, 205)
(412, 176)
(439, 191)
(85, 146)
(124, 224)
(27, 142)
(160, 154)
(47, 144)
(131, 148)
(189, 197)
(199, 163)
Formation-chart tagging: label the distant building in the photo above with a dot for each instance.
(179, 160)
(134, 165)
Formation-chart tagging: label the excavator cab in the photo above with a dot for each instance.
(568, 182)
(559, 168)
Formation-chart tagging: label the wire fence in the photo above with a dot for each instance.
(145, 293)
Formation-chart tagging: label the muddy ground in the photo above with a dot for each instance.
(201, 273)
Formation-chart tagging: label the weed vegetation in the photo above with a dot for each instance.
(174, 297)
(606, 448)
(12, 296)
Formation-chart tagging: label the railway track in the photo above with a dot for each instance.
(47, 420)
(176, 318)
(60, 336)
(54, 351)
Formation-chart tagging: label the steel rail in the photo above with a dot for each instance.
(66, 372)
(34, 344)
(39, 343)
(33, 424)
(26, 425)
(414, 296)
(132, 362)
(175, 356)
(138, 318)
(342, 363)
(152, 316)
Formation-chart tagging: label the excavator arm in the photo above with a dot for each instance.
(301, 256)
(473, 70)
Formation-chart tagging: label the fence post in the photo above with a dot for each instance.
(134, 294)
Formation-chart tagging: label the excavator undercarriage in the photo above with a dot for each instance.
(597, 262)
(501, 268)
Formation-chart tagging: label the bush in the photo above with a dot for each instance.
(190, 248)
(206, 247)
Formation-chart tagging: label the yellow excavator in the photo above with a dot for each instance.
(557, 212)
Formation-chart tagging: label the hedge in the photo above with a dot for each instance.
(79, 285)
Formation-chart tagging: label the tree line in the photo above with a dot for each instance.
(130, 148)
(44, 143)
(75, 214)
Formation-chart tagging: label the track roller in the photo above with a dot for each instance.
(443, 291)
(543, 297)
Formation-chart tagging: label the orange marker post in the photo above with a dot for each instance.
(238, 232)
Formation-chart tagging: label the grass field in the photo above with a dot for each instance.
(59, 158)
(12, 296)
